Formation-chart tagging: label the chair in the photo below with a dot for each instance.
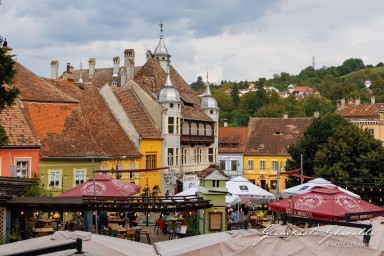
(144, 232)
(131, 234)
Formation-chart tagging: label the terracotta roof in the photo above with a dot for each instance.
(35, 88)
(101, 77)
(232, 135)
(272, 136)
(152, 78)
(303, 89)
(207, 171)
(137, 113)
(80, 127)
(19, 132)
(361, 110)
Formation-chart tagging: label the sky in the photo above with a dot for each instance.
(230, 40)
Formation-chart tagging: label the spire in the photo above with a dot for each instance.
(208, 101)
(161, 53)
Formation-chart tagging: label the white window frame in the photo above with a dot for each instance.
(77, 177)
(132, 174)
(119, 175)
(275, 165)
(250, 165)
(57, 174)
(262, 166)
(28, 160)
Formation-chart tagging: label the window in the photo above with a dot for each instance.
(177, 125)
(222, 164)
(197, 152)
(119, 175)
(234, 165)
(79, 176)
(170, 156)
(262, 165)
(22, 169)
(183, 156)
(210, 155)
(132, 174)
(275, 165)
(171, 125)
(177, 157)
(250, 164)
(170, 105)
(223, 145)
(54, 178)
(235, 145)
(104, 167)
(150, 161)
(371, 131)
(215, 183)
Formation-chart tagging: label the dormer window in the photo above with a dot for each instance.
(223, 145)
(235, 145)
(261, 146)
(277, 133)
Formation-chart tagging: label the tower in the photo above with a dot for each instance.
(161, 53)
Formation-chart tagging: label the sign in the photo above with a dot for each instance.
(190, 181)
(243, 188)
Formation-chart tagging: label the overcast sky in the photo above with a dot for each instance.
(233, 40)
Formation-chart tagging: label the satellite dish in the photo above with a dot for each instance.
(367, 83)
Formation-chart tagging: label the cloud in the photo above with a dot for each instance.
(231, 39)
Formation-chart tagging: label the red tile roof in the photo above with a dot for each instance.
(232, 135)
(137, 113)
(272, 136)
(19, 132)
(362, 110)
(77, 123)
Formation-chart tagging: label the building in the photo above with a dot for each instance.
(265, 149)
(369, 116)
(231, 146)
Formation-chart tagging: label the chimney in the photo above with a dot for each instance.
(316, 114)
(357, 101)
(148, 55)
(225, 122)
(341, 103)
(92, 65)
(123, 76)
(54, 69)
(285, 115)
(116, 64)
(373, 100)
(129, 63)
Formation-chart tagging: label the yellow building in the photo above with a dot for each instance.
(265, 150)
(369, 116)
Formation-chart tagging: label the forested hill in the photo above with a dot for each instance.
(330, 83)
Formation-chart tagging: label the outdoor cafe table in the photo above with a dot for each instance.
(118, 221)
(43, 231)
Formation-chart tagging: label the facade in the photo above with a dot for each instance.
(369, 116)
(74, 126)
(186, 125)
(265, 149)
(19, 156)
(231, 146)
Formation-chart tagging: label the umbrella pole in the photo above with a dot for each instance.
(94, 194)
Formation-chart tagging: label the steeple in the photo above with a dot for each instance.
(208, 102)
(161, 53)
(168, 93)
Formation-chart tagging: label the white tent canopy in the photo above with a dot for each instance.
(229, 199)
(246, 189)
(305, 187)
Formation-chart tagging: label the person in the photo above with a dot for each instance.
(132, 219)
(103, 219)
(233, 216)
(162, 225)
(165, 216)
(77, 218)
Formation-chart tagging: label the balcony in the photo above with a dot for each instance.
(197, 140)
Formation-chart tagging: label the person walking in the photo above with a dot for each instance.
(233, 216)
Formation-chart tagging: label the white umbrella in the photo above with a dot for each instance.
(246, 189)
(305, 187)
(229, 199)
(92, 245)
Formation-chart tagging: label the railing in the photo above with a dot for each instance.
(197, 140)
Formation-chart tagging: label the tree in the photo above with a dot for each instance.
(235, 95)
(199, 84)
(316, 134)
(271, 110)
(224, 101)
(8, 93)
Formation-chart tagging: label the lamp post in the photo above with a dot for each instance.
(94, 195)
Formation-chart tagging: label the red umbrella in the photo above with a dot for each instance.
(328, 203)
(105, 186)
